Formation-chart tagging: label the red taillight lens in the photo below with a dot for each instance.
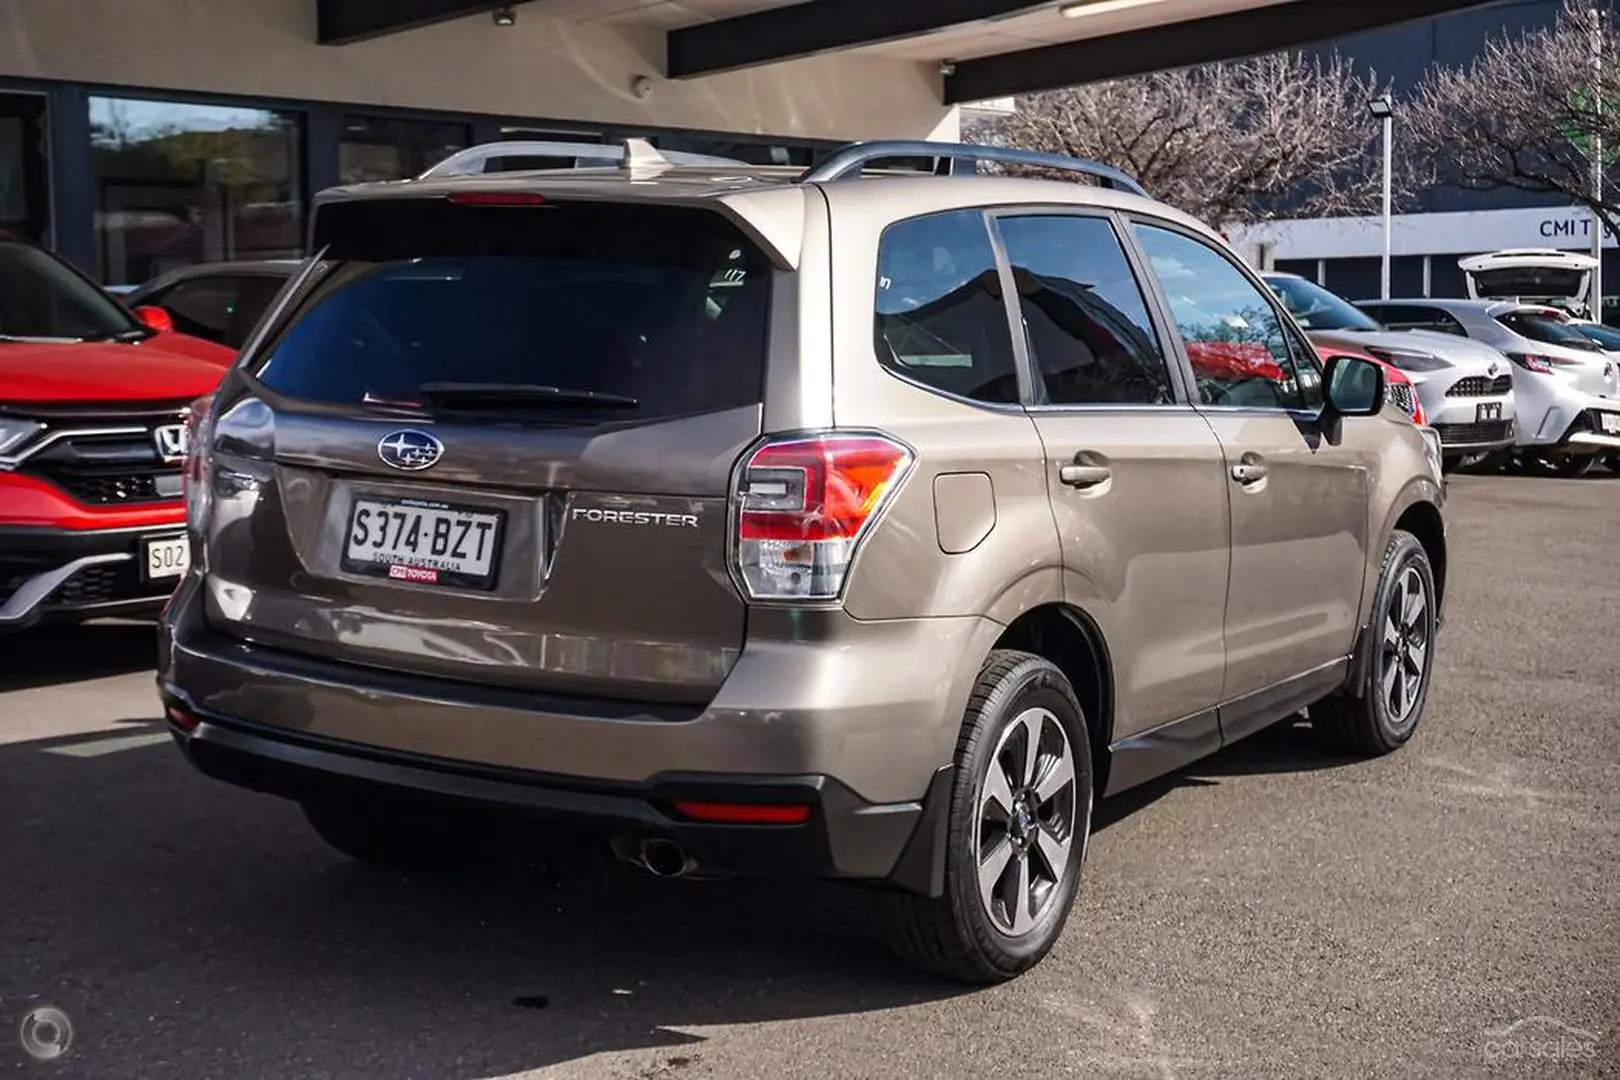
(744, 813)
(1531, 362)
(495, 198)
(805, 504)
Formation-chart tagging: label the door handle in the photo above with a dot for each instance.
(1084, 476)
(1248, 472)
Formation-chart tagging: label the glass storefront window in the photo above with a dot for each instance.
(179, 184)
(374, 148)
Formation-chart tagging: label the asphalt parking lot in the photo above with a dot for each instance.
(1275, 911)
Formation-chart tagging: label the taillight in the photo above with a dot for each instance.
(805, 504)
(194, 467)
(1532, 362)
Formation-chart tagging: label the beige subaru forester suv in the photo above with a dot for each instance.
(865, 523)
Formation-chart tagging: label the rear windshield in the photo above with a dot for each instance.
(663, 309)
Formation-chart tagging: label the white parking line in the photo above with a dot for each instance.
(102, 747)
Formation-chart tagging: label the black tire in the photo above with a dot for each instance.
(1489, 464)
(1562, 466)
(954, 935)
(1367, 722)
(1613, 462)
(388, 838)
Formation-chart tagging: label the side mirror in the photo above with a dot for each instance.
(155, 318)
(1353, 386)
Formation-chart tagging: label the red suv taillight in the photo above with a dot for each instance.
(805, 504)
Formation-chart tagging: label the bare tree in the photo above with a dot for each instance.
(1229, 143)
(1528, 115)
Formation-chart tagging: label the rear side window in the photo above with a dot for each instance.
(1414, 317)
(1083, 311)
(1547, 329)
(664, 310)
(940, 317)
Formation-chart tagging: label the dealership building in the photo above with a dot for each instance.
(1445, 226)
(141, 135)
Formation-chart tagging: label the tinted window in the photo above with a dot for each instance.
(664, 306)
(940, 318)
(201, 306)
(1415, 317)
(1606, 336)
(1086, 321)
(1240, 350)
(1548, 329)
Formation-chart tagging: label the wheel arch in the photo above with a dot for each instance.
(1071, 638)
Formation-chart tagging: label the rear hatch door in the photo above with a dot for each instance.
(502, 446)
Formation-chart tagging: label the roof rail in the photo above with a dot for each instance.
(847, 160)
(631, 153)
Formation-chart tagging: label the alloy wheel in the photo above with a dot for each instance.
(1029, 817)
(1404, 658)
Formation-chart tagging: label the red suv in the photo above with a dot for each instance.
(93, 404)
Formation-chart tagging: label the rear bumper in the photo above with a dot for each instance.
(52, 574)
(844, 836)
(856, 717)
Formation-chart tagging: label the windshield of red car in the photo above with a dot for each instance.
(42, 298)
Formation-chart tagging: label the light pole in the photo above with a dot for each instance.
(1384, 110)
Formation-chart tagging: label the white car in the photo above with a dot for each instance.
(1465, 387)
(1567, 388)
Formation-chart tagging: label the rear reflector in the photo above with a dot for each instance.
(182, 719)
(495, 198)
(806, 504)
(720, 813)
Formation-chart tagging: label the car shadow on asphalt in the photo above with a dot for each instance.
(192, 929)
(53, 655)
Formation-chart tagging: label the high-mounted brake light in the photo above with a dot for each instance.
(805, 504)
(495, 198)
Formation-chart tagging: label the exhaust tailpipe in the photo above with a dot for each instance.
(658, 855)
(665, 858)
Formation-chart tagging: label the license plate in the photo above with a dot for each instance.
(167, 558)
(423, 542)
(1491, 410)
(1609, 422)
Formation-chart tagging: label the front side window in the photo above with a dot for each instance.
(573, 312)
(180, 184)
(1084, 316)
(201, 306)
(940, 317)
(1241, 352)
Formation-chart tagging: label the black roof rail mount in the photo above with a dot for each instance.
(849, 160)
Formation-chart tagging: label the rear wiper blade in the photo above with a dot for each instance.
(460, 395)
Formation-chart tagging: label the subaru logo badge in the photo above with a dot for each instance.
(409, 450)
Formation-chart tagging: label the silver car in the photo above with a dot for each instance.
(1466, 388)
(1567, 386)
